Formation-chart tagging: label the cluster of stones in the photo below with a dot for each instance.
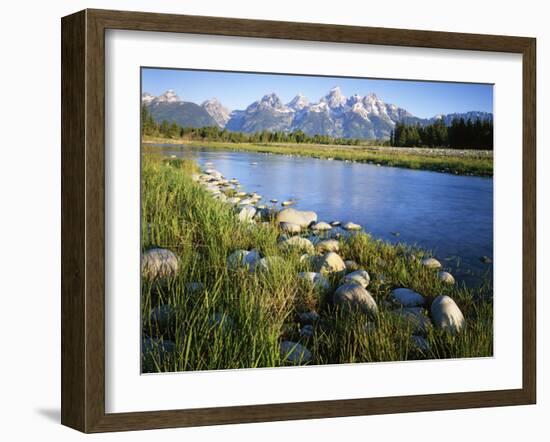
(321, 250)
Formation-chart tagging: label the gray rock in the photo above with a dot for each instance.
(246, 214)
(233, 200)
(316, 279)
(431, 263)
(290, 227)
(264, 213)
(360, 277)
(243, 258)
(297, 243)
(213, 189)
(294, 353)
(269, 263)
(355, 296)
(351, 226)
(214, 173)
(330, 263)
(158, 264)
(415, 319)
(446, 277)
(446, 314)
(308, 317)
(327, 245)
(302, 218)
(321, 226)
(351, 266)
(335, 223)
(306, 331)
(407, 297)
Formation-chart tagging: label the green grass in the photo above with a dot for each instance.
(461, 162)
(261, 308)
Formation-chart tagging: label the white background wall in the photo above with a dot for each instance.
(30, 217)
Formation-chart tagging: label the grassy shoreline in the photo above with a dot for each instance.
(460, 162)
(238, 318)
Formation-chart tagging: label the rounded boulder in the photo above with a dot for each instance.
(327, 245)
(446, 314)
(158, 264)
(354, 296)
(300, 217)
(316, 279)
(431, 263)
(290, 227)
(330, 263)
(360, 277)
(297, 243)
(407, 297)
(446, 278)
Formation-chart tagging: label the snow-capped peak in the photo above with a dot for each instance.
(169, 96)
(371, 98)
(217, 111)
(211, 102)
(374, 105)
(298, 103)
(271, 100)
(334, 98)
(146, 98)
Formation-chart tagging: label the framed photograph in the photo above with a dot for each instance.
(268, 220)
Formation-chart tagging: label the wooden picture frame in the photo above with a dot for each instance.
(83, 217)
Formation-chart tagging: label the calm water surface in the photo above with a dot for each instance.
(447, 214)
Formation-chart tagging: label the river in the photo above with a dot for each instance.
(448, 214)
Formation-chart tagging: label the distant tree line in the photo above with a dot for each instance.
(460, 134)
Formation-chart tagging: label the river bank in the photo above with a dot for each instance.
(234, 291)
(460, 162)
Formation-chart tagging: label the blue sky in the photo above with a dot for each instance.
(238, 90)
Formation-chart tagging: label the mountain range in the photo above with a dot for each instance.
(366, 117)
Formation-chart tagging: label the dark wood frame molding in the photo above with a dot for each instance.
(83, 215)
